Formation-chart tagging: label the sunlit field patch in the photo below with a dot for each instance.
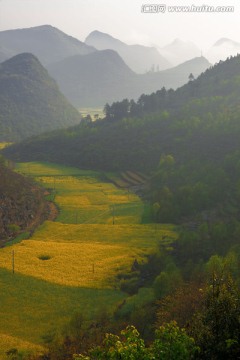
(83, 255)
(8, 342)
(4, 144)
(50, 169)
(98, 231)
(91, 265)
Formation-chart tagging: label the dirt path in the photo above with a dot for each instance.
(53, 211)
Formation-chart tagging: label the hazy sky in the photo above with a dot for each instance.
(125, 20)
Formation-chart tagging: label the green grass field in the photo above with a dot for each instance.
(71, 264)
(30, 308)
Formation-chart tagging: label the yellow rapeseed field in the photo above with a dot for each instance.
(97, 232)
(131, 235)
(84, 264)
(11, 342)
(88, 255)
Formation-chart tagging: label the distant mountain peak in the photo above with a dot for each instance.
(177, 41)
(138, 57)
(30, 100)
(197, 60)
(40, 27)
(25, 64)
(222, 49)
(23, 56)
(225, 41)
(48, 43)
(32, 29)
(99, 33)
(179, 51)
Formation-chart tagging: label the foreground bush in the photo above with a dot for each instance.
(171, 342)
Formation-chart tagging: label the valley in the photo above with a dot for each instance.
(119, 194)
(76, 261)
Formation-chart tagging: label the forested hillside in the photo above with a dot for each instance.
(22, 204)
(30, 101)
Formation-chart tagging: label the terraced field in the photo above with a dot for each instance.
(71, 263)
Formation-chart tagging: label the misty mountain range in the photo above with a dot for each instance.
(47, 43)
(104, 69)
(139, 58)
(179, 51)
(222, 49)
(102, 77)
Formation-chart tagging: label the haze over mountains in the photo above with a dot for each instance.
(30, 101)
(46, 42)
(101, 77)
(91, 77)
(180, 51)
(142, 58)
(222, 49)
(88, 76)
(138, 57)
(95, 78)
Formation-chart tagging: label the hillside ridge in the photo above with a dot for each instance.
(30, 101)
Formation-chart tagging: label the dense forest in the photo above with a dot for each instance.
(188, 141)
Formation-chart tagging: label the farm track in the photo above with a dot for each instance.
(53, 211)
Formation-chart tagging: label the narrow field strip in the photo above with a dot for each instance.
(49, 169)
(128, 234)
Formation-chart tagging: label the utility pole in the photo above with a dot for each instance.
(113, 214)
(13, 264)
